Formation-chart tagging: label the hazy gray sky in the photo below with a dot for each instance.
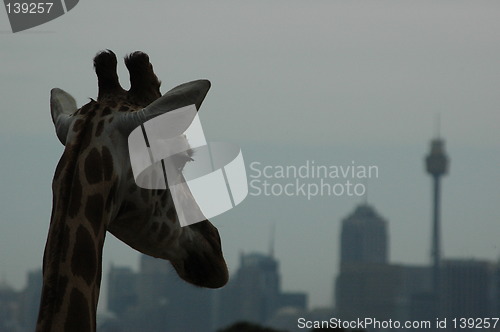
(329, 81)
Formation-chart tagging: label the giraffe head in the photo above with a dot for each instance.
(96, 154)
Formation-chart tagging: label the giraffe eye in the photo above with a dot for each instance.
(187, 159)
(182, 160)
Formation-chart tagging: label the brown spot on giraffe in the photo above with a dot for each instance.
(63, 285)
(78, 316)
(78, 125)
(123, 108)
(65, 241)
(87, 136)
(107, 163)
(84, 262)
(93, 167)
(107, 110)
(75, 199)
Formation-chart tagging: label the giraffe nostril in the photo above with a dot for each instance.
(205, 270)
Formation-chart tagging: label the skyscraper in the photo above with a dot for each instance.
(9, 308)
(31, 299)
(122, 289)
(466, 289)
(169, 303)
(254, 293)
(367, 284)
(364, 237)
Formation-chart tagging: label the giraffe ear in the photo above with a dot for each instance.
(183, 95)
(62, 107)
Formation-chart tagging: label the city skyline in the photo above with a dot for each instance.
(256, 289)
(291, 82)
(271, 253)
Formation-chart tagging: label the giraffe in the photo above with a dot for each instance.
(94, 192)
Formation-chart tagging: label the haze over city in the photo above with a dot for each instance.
(336, 83)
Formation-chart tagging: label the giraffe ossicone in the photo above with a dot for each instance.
(94, 192)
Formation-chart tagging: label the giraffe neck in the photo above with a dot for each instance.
(73, 253)
(71, 286)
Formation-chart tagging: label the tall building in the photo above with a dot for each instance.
(436, 165)
(31, 299)
(364, 237)
(155, 299)
(254, 293)
(363, 264)
(368, 285)
(496, 287)
(368, 290)
(466, 289)
(9, 309)
(122, 289)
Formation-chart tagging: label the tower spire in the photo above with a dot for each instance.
(437, 166)
(365, 196)
(271, 239)
(438, 125)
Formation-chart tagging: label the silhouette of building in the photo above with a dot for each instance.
(19, 309)
(496, 288)
(122, 289)
(368, 290)
(364, 237)
(155, 299)
(466, 289)
(363, 262)
(31, 299)
(368, 285)
(254, 293)
(10, 309)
